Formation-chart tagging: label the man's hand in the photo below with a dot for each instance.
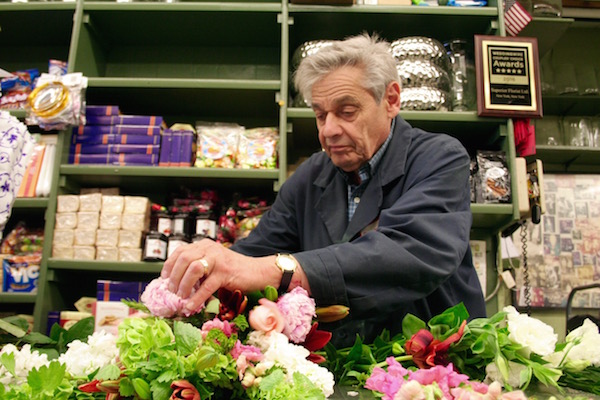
(215, 266)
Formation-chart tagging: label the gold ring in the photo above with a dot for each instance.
(205, 265)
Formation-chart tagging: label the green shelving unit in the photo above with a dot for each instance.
(216, 61)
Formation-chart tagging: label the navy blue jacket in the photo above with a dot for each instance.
(406, 250)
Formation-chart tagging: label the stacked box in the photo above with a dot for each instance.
(96, 226)
(109, 310)
(178, 148)
(116, 139)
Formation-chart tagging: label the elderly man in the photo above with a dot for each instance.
(378, 221)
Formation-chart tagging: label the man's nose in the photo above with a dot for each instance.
(331, 126)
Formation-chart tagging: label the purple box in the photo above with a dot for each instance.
(165, 148)
(175, 157)
(101, 110)
(115, 139)
(187, 149)
(114, 159)
(91, 148)
(124, 120)
(119, 129)
(53, 318)
(107, 290)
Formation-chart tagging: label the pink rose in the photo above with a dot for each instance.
(266, 317)
(162, 302)
(299, 310)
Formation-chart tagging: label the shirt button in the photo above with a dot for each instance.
(356, 200)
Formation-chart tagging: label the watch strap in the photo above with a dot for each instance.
(286, 279)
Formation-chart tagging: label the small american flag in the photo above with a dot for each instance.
(516, 17)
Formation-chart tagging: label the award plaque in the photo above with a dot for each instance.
(508, 78)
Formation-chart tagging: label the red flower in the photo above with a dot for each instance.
(182, 389)
(90, 387)
(427, 351)
(231, 304)
(316, 340)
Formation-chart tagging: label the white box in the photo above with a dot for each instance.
(110, 220)
(109, 314)
(107, 237)
(65, 220)
(67, 203)
(113, 204)
(88, 219)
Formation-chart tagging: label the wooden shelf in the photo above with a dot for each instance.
(18, 298)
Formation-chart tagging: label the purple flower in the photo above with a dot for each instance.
(299, 310)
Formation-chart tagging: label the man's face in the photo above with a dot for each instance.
(352, 126)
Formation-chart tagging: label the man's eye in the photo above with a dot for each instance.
(348, 113)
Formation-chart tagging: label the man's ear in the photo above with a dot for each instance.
(392, 98)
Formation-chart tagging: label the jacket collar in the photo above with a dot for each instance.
(392, 166)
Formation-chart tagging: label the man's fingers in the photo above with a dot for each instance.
(204, 292)
(196, 270)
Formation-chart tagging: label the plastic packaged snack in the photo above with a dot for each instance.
(493, 177)
(217, 144)
(257, 148)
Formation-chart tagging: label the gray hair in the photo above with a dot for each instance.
(369, 53)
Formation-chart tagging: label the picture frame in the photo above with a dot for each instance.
(508, 77)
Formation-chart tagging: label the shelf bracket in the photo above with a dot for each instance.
(280, 19)
(493, 28)
(279, 100)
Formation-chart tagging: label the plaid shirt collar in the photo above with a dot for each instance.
(357, 184)
(366, 171)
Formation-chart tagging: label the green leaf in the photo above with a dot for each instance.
(356, 350)
(207, 358)
(502, 365)
(241, 322)
(525, 377)
(448, 322)
(141, 387)
(12, 329)
(412, 324)
(136, 305)
(126, 387)
(81, 330)
(56, 331)
(271, 293)
(17, 321)
(161, 390)
(37, 338)
(46, 378)
(8, 360)
(109, 372)
(51, 352)
(187, 337)
(272, 380)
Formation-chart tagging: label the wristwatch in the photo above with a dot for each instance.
(287, 264)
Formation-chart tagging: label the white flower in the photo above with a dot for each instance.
(81, 358)
(292, 358)
(531, 333)
(587, 343)
(25, 361)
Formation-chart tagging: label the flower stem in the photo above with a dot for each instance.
(398, 358)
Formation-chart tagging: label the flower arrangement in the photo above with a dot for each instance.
(162, 353)
(509, 355)
(265, 346)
